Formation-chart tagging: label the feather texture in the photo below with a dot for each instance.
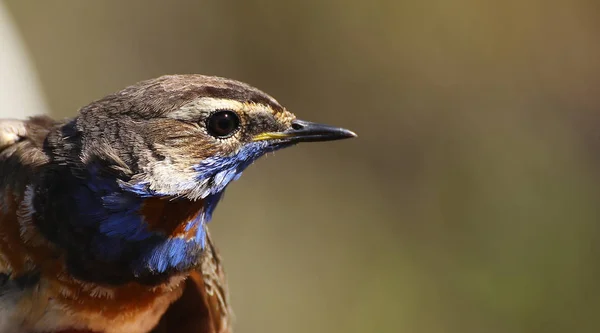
(103, 218)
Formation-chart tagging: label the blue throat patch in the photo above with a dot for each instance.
(114, 209)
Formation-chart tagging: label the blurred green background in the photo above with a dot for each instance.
(468, 204)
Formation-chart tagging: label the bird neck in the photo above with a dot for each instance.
(113, 236)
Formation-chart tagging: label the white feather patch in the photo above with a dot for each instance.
(193, 110)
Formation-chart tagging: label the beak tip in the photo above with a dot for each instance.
(345, 134)
(350, 134)
(313, 132)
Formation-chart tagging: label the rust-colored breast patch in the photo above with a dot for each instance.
(12, 250)
(22, 248)
(171, 217)
(112, 302)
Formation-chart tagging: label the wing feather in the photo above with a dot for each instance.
(21, 150)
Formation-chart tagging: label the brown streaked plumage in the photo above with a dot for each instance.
(103, 218)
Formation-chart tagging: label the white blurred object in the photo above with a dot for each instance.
(20, 91)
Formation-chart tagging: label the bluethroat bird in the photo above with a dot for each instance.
(103, 217)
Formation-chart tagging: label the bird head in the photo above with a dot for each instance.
(189, 135)
(154, 159)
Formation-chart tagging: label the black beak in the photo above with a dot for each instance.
(305, 131)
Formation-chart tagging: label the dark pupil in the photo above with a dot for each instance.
(223, 123)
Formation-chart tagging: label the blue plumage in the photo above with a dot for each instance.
(164, 254)
(121, 227)
(119, 218)
(210, 204)
(107, 248)
(100, 213)
(221, 170)
(122, 220)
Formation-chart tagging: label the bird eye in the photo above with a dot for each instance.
(222, 124)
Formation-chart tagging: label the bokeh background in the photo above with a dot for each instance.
(468, 204)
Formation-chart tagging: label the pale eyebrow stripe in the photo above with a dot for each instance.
(193, 110)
